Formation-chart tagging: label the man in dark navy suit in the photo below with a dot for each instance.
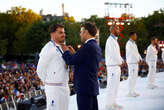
(86, 61)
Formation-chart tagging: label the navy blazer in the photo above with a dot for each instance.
(86, 62)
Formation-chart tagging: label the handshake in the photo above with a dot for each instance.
(67, 48)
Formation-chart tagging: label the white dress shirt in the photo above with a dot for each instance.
(132, 54)
(51, 66)
(151, 55)
(112, 52)
(90, 39)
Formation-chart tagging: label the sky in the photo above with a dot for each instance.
(83, 8)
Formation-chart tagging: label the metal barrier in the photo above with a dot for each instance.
(12, 101)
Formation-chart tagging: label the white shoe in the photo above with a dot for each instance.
(132, 95)
(117, 106)
(152, 86)
(110, 108)
(136, 94)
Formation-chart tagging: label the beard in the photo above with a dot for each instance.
(82, 41)
(62, 41)
(117, 34)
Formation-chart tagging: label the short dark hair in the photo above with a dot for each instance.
(113, 27)
(53, 27)
(153, 38)
(132, 33)
(92, 29)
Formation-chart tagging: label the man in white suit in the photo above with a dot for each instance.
(133, 58)
(52, 70)
(163, 54)
(151, 59)
(113, 62)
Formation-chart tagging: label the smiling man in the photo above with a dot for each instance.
(52, 71)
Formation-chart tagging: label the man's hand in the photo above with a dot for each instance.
(64, 47)
(123, 64)
(140, 62)
(71, 75)
(71, 49)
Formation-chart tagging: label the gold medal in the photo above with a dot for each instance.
(66, 66)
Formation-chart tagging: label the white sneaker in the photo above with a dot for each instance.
(136, 94)
(110, 108)
(117, 106)
(152, 86)
(132, 95)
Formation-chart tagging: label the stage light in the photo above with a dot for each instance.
(110, 23)
(78, 46)
(117, 23)
(122, 23)
(128, 23)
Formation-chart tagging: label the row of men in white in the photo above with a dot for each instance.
(114, 62)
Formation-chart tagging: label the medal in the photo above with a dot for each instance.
(66, 66)
(58, 49)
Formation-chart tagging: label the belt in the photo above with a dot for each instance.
(132, 63)
(113, 65)
(55, 84)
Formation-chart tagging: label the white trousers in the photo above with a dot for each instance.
(113, 82)
(151, 74)
(57, 97)
(132, 78)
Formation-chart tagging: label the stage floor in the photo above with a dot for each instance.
(149, 99)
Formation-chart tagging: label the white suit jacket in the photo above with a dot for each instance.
(112, 52)
(151, 55)
(132, 54)
(163, 55)
(51, 66)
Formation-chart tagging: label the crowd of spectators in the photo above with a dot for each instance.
(18, 78)
(21, 78)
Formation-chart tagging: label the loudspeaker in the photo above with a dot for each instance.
(38, 100)
(24, 105)
(103, 84)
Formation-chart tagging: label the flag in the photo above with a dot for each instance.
(6, 97)
(2, 99)
(17, 93)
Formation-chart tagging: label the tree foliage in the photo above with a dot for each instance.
(23, 32)
(13, 26)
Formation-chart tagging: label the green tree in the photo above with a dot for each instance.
(72, 34)
(36, 37)
(3, 49)
(155, 24)
(24, 18)
(7, 31)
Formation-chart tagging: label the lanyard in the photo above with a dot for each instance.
(115, 38)
(57, 46)
(66, 66)
(132, 41)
